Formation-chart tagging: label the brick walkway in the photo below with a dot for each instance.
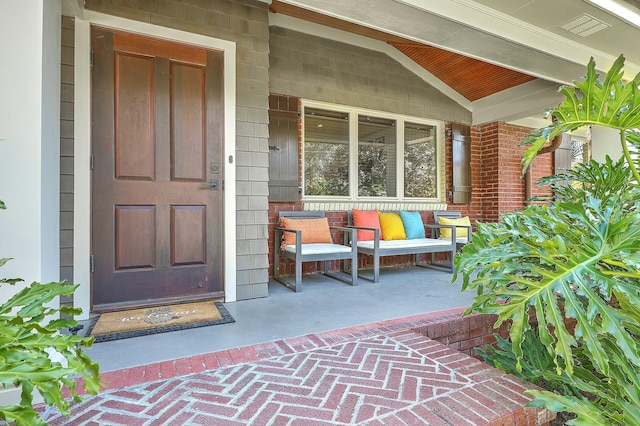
(379, 374)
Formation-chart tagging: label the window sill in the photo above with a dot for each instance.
(392, 205)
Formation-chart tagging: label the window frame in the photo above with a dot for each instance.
(400, 119)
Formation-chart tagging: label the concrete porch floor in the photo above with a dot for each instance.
(324, 304)
(331, 355)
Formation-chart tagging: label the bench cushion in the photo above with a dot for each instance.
(460, 233)
(413, 226)
(417, 242)
(313, 230)
(391, 226)
(318, 248)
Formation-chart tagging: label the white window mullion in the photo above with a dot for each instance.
(400, 159)
(440, 163)
(353, 145)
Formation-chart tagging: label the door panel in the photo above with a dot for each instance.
(188, 230)
(187, 119)
(134, 144)
(157, 227)
(135, 233)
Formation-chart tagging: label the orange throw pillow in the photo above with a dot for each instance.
(368, 219)
(313, 230)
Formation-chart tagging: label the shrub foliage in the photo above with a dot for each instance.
(573, 265)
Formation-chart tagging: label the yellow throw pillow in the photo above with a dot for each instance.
(460, 232)
(313, 230)
(392, 226)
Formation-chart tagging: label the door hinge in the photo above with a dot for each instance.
(91, 58)
(91, 162)
(92, 264)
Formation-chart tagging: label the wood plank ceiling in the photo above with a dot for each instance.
(472, 78)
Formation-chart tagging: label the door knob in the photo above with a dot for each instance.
(212, 184)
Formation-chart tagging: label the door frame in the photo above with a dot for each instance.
(82, 145)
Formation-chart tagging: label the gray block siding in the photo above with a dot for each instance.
(314, 68)
(66, 154)
(246, 23)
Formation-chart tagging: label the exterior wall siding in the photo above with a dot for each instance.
(244, 22)
(319, 69)
(66, 153)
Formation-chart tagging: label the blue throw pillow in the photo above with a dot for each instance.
(413, 226)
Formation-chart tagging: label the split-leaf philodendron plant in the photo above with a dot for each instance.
(35, 355)
(573, 264)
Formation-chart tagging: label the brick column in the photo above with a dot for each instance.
(501, 185)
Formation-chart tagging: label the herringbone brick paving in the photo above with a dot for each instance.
(382, 374)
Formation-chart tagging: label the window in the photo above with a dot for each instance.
(420, 166)
(356, 154)
(376, 157)
(326, 153)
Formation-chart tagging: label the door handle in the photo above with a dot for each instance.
(212, 184)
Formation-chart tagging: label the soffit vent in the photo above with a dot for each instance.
(584, 25)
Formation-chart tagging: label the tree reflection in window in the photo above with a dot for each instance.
(420, 165)
(326, 152)
(376, 157)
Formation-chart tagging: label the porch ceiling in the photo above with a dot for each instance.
(501, 59)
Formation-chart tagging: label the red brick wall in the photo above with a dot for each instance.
(465, 334)
(501, 185)
(497, 187)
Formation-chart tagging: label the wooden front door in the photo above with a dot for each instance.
(157, 138)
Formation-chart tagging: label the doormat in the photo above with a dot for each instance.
(162, 319)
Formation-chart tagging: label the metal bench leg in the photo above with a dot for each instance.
(276, 259)
(376, 268)
(298, 285)
(354, 267)
(453, 253)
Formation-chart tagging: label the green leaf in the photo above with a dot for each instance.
(26, 337)
(21, 415)
(612, 104)
(588, 414)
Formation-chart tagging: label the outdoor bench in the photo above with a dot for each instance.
(377, 247)
(313, 242)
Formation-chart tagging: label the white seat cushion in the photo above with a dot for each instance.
(318, 248)
(417, 242)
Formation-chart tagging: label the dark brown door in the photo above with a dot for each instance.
(157, 205)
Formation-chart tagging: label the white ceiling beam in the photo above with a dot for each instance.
(530, 99)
